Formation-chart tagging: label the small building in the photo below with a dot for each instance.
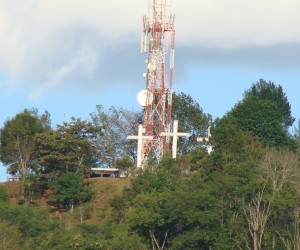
(13, 178)
(105, 172)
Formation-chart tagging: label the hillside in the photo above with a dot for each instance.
(105, 189)
(94, 211)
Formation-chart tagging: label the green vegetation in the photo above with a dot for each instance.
(266, 113)
(191, 119)
(18, 149)
(245, 195)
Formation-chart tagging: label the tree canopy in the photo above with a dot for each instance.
(244, 195)
(117, 124)
(266, 113)
(18, 142)
(191, 118)
(270, 91)
(70, 148)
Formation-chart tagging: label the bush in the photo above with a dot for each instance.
(9, 236)
(3, 194)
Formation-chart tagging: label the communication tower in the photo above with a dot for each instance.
(158, 44)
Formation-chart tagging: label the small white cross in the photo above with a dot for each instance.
(140, 138)
(175, 135)
(206, 139)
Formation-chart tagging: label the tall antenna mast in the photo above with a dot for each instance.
(158, 43)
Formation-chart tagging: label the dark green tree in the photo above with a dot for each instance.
(70, 148)
(265, 113)
(191, 118)
(69, 190)
(233, 144)
(143, 206)
(274, 93)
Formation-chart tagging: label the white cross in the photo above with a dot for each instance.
(175, 135)
(206, 139)
(140, 137)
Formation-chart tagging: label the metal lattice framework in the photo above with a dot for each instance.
(158, 42)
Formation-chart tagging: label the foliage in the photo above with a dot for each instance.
(117, 124)
(68, 239)
(3, 194)
(269, 91)
(125, 163)
(9, 236)
(266, 113)
(119, 237)
(243, 196)
(296, 134)
(18, 142)
(34, 228)
(30, 221)
(191, 118)
(70, 148)
(69, 190)
(262, 119)
(232, 143)
(212, 207)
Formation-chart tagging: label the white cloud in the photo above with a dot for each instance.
(45, 43)
(232, 23)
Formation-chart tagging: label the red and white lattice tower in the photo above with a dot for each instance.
(158, 43)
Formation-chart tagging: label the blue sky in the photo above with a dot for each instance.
(67, 56)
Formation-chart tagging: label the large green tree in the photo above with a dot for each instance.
(266, 113)
(232, 143)
(70, 190)
(69, 148)
(270, 91)
(18, 142)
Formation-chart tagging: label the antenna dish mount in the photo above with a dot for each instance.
(144, 98)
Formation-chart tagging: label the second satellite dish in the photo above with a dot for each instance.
(142, 98)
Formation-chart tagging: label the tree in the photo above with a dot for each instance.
(18, 142)
(30, 221)
(70, 190)
(277, 169)
(70, 148)
(265, 113)
(146, 214)
(119, 237)
(296, 134)
(117, 124)
(148, 217)
(269, 91)
(195, 214)
(232, 143)
(191, 118)
(292, 238)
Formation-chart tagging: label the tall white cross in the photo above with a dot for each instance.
(206, 139)
(140, 138)
(175, 135)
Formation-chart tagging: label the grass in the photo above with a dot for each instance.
(96, 211)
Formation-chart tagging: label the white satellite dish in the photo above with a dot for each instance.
(142, 98)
